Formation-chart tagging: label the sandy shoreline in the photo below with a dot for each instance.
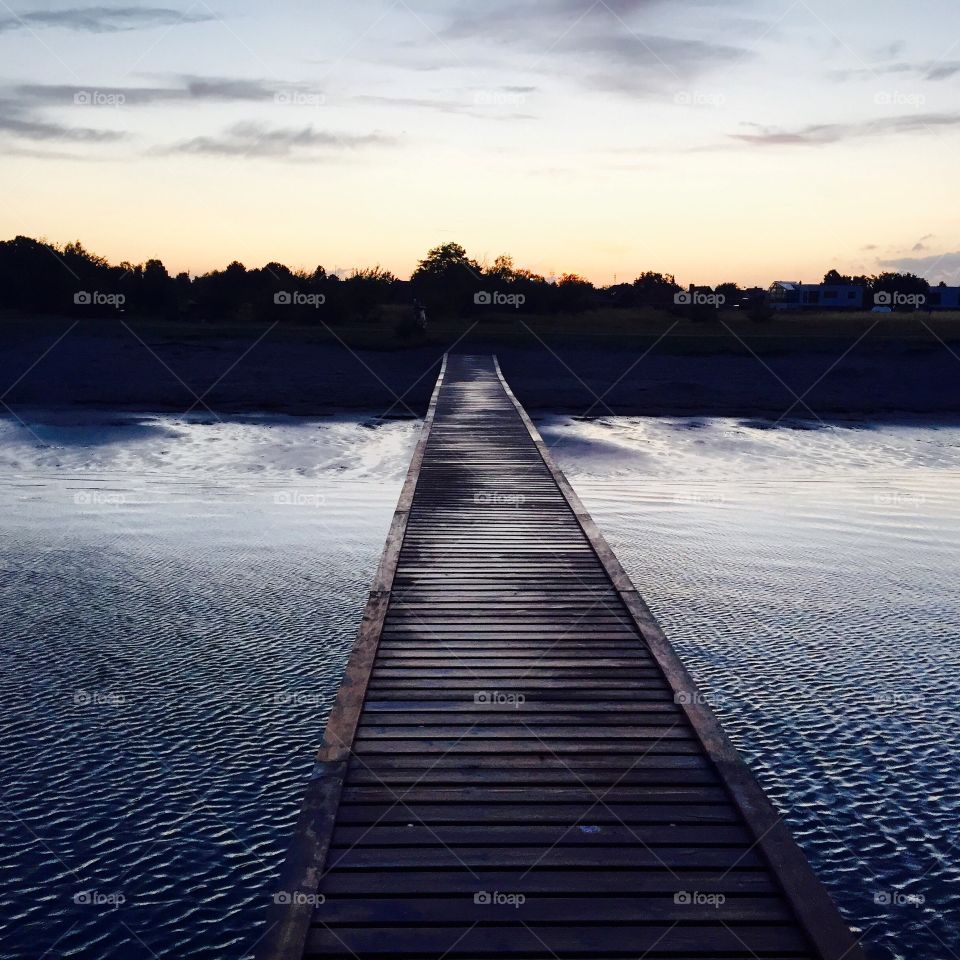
(121, 371)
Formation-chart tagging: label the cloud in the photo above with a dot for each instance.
(597, 44)
(935, 268)
(20, 123)
(102, 19)
(184, 89)
(933, 71)
(504, 20)
(827, 133)
(648, 64)
(250, 139)
(33, 153)
(493, 104)
(943, 71)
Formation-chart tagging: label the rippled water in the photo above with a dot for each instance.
(809, 579)
(179, 596)
(178, 600)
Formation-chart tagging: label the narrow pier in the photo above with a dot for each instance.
(518, 764)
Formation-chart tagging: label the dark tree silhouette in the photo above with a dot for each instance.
(447, 281)
(835, 278)
(732, 294)
(40, 277)
(574, 293)
(655, 290)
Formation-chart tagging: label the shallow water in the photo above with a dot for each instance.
(809, 579)
(179, 596)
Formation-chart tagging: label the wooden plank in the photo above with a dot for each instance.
(582, 856)
(530, 709)
(730, 940)
(498, 796)
(480, 719)
(406, 809)
(626, 882)
(422, 836)
(356, 910)
(679, 731)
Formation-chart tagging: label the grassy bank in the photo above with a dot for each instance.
(633, 330)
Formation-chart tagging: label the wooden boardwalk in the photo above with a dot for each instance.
(517, 764)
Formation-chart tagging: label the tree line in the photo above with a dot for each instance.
(40, 277)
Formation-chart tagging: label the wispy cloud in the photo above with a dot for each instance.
(499, 103)
(928, 70)
(183, 89)
(18, 122)
(827, 133)
(936, 268)
(636, 63)
(101, 19)
(504, 19)
(605, 45)
(251, 140)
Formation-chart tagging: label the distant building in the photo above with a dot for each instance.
(944, 298)
(788, 295)
(752, 298)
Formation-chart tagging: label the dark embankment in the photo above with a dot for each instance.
(839, 369)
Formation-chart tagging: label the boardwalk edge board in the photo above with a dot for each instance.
(291, 933)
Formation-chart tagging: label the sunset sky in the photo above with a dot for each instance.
(746, 140)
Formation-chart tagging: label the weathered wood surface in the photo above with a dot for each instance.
(518, 765)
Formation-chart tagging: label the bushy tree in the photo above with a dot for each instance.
(574, 293)
(835, 278)
(367, 289)
(655, 290)
(447, 281)
(732, 294)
